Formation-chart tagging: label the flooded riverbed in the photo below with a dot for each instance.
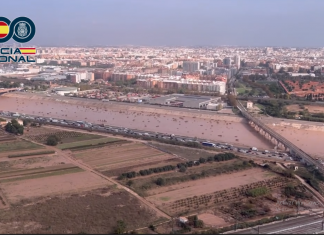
(217, 128)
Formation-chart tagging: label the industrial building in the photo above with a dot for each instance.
(186, 101)
(48, 77)
(65, 90)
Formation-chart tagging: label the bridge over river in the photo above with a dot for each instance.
(277, 139)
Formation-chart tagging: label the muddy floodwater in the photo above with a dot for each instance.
(230, 129)
(308, 140)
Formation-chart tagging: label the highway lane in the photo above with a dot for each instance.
(300, 225)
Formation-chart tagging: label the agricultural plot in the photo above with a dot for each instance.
(87, 143)
(16, 164)
(16, 175)
(37, 185)
(185, 152)
(5, 136)
(31, 177)
(18, 145)
(90, 212)
(207, 185)
(118, 158)
(40, 135)
(219, 198)
(146, 185)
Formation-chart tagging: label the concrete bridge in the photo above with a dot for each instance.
(278, 140)
(6, 90)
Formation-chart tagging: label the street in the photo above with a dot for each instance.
(302, 225)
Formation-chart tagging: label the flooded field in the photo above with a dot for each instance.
(230, 129)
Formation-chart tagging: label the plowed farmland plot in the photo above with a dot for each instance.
(43, 175)
(133, 155)
(40, 135)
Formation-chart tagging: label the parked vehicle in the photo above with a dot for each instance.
(208, 144)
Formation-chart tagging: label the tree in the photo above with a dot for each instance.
(160, 181)
(14, 127)
(120, 227)
(183, 169)
(231, 100)
(52, 140)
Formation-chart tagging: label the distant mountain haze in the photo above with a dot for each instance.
(295, 23)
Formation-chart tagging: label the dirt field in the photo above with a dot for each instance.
(311, 108)
(121, 156)
(207, 185)
(27, 189)
(212, 220)
(31, 162)
(92, 212)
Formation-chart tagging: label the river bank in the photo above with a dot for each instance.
(193, 123)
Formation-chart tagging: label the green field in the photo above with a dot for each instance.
(41, 175)
(18, 145)
(31, 154)
(86, 142)
(81, 137)
(241, 90)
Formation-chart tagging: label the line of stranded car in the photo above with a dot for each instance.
(101, 127)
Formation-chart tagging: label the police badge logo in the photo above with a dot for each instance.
(22, 30)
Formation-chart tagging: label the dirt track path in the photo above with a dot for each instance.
(68, 155)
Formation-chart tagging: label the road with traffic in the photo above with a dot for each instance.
(301, 225)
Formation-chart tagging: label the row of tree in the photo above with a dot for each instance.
(181, 166)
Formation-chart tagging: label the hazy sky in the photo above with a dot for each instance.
(296, 23)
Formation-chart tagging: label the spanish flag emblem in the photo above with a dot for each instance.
(28, 51)
(4, 29)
